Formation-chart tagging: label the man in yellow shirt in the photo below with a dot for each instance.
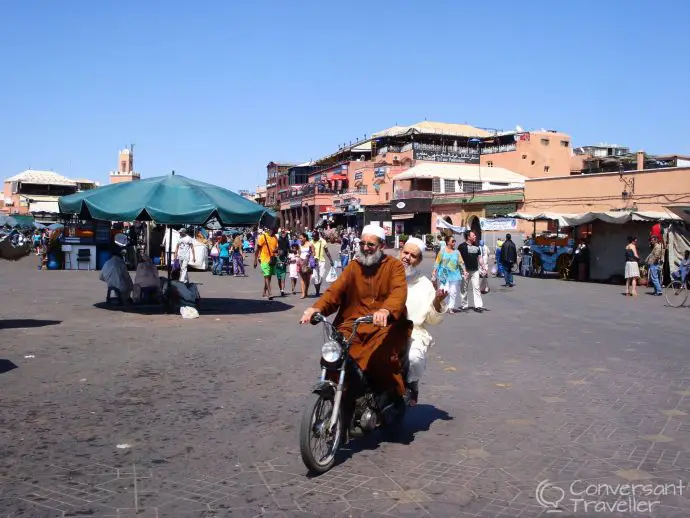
(266, 252)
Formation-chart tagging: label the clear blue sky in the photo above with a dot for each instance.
(217, 89)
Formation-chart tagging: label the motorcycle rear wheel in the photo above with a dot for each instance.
(313, 429)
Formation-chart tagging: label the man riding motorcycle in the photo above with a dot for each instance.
(373, 283)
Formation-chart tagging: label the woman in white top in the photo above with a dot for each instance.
(183, 252)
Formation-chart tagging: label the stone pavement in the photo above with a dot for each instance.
(118, 414)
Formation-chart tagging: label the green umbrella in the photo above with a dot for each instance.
(167, 200)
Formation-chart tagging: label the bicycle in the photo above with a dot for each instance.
(676, 291)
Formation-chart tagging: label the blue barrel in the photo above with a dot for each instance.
(102, 257)
(53, 263)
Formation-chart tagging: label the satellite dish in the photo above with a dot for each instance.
(120, 240)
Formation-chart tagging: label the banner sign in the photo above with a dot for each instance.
(440, 223)
(498, 223)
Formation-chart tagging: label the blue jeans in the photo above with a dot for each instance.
(655, 274)
(220, 264)
(344, 259)
(508, 272)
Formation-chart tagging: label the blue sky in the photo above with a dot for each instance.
(216, 90)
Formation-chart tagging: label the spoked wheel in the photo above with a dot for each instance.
(676, 294)
(317, 445)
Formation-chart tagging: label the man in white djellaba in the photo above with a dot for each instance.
(424, 306)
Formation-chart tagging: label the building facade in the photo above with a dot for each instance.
(354, 185)
(32, 191)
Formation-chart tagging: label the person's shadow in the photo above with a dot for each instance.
(418, 418)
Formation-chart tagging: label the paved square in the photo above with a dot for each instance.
(120, 414)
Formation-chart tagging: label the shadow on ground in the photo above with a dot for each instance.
(417, 419)
(17, 323)
(208, 306)
(6, 366)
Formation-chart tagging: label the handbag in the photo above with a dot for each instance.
(273, 260)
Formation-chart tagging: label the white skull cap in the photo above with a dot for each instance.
(374, 230)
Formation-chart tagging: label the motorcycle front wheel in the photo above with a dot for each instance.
(317, 445)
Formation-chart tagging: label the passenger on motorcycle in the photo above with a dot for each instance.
(374, 283)
(424, 306)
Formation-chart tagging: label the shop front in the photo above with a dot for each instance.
(411, 216)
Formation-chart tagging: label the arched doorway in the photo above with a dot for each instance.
(446, 232)
(474, 225)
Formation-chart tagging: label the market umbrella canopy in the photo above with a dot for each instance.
(167, 200)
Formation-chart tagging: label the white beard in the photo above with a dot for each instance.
(411, 272)
(369, 260)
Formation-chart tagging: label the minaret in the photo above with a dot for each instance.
(125, 167)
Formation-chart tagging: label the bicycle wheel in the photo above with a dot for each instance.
(676, 294)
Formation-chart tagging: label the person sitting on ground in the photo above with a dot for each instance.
(116, 276)
(146, 282)
(181, 294)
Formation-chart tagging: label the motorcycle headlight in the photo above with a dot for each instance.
(331, 351)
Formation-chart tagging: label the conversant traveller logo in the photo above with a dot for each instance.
(585, 497)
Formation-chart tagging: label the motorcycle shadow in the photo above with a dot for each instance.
(417, 419)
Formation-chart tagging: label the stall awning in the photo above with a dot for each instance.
(614, 216)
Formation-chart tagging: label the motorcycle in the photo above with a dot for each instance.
(343, 405)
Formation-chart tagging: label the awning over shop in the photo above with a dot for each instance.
(614, 216)
(682, 211)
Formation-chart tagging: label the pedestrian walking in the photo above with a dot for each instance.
(448, 272)
(632, 267)
(223, 256)
(320, 253)
(293, 272)
(655, 261)
(508, 259)
(266, 250)
(472, 257)
(183, 253)
(237, 256)
(306, 263)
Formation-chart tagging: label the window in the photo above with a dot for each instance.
(489, 164)
(546, 168)
(544, 142)
(387, 196)
(448, 185)
(471, 186)
(436, 185)
(565, 143)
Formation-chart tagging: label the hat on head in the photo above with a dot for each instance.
(375, 230)
(416, 242)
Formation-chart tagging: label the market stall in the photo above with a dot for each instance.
(171, 200)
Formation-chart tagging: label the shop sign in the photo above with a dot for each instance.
(499, 209)
(400, 205)
(388, 228)
(402, 216)
(295, 203)
(359, 175)
(380, 172)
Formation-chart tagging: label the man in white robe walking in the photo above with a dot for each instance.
(424, 306)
